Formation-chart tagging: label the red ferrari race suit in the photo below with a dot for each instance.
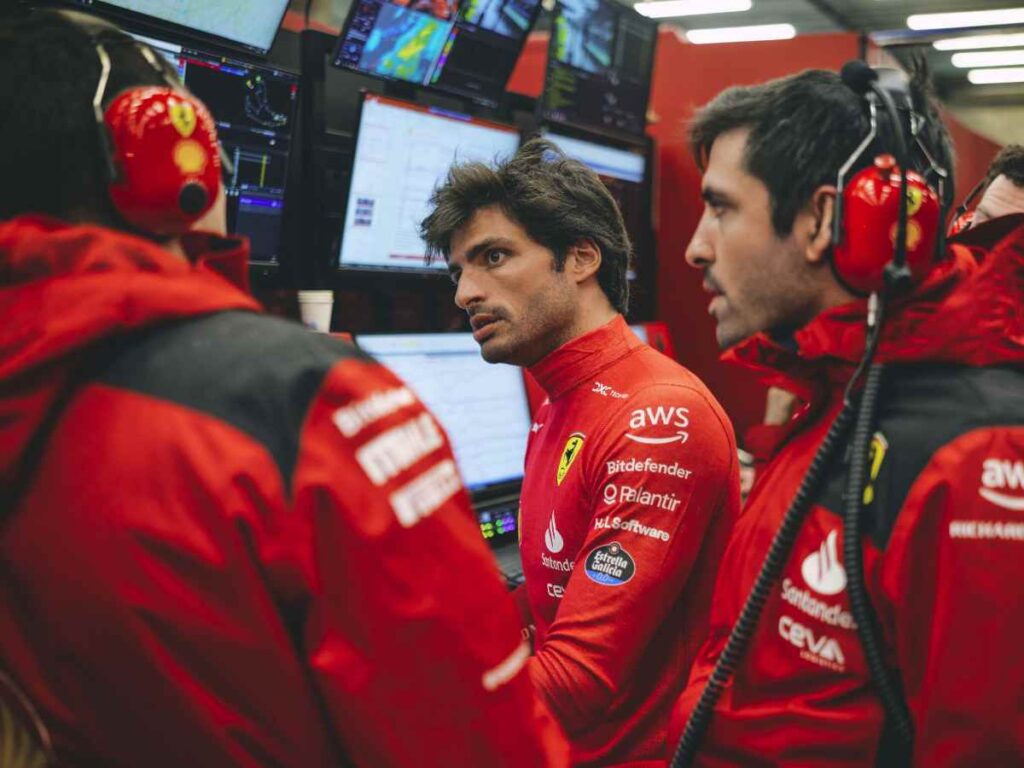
(631, 488)
(943, 542)
(242, 543)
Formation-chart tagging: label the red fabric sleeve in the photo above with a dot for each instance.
(656, 478)
(411, 638)
(951, 580)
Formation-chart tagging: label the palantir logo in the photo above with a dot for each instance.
(822, 570)
(998, 475)
(552, 538)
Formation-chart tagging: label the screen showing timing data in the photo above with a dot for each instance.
(402, 152)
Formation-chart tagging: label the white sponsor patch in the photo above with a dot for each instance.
(627, 494)
(805, 602)
(392, 452)
(421, 497)
(995, 530)
(606, 391)
(818, 649)
(647, 466)
(998, 476)
(552, 538)
(822, 570)
(659, 425)
(564, 566)
(556, 590)
(351, 419)
(494, 678)
(631, 526)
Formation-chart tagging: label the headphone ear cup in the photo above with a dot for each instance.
(167, 159)
(871, 212)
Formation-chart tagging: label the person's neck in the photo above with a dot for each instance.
(174, 246)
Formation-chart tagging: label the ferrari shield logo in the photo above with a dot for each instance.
(183, 118)
(572, 449)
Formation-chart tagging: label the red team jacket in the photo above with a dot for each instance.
(631, 488)
(944, 546)
(244, 543)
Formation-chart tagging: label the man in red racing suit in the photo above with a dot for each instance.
(225, 540)
(631, 489)
(631, 482)
(943, 557)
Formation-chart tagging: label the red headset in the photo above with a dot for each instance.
(885, 198)
(160, 144)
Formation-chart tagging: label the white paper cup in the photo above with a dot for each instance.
(315, 309)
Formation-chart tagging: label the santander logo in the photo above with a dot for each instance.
(998, 475)
(822, 570)
(552, 538)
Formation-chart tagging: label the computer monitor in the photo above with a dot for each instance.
(623, 170)
(481, 406)
(402, 152)
(467, 48)
(242, 24)
(254, 108)
(600, 58)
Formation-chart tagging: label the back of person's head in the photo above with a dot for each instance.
(1009, 162)
(802, 129)
(556, 200)
(53, 161)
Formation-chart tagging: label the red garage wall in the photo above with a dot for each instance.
(685, 77)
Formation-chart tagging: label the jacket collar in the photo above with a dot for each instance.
(584, 357)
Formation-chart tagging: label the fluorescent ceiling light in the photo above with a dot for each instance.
(741, 34)
(992, 76)
(966, 19)
(973, 43)
(973, 59)
(663, 9)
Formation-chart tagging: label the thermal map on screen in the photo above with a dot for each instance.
(402, 152)
(253, 23)
(467, 48)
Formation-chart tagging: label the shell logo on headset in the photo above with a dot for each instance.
(190, 156)
(183, 118)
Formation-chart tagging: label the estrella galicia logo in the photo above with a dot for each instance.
(610, 565)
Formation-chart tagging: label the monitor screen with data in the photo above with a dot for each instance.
(402, 152)
(250, 25)
(600, 58)
(465, 47)
(254, 108)
(482, 407)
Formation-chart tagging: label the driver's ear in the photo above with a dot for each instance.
(583, 259)
(815, 223)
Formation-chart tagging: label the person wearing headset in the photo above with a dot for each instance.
(224, 539)
(1002, 191)
(942, 528)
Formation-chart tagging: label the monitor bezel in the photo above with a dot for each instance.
(162, 27)
(614, 133)
(336, 264)
(485, 101)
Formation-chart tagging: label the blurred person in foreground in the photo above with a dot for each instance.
(225, 540)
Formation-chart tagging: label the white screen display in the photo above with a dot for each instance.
(482, 407)
(402, 153)
(606, 161)
(253, 23)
